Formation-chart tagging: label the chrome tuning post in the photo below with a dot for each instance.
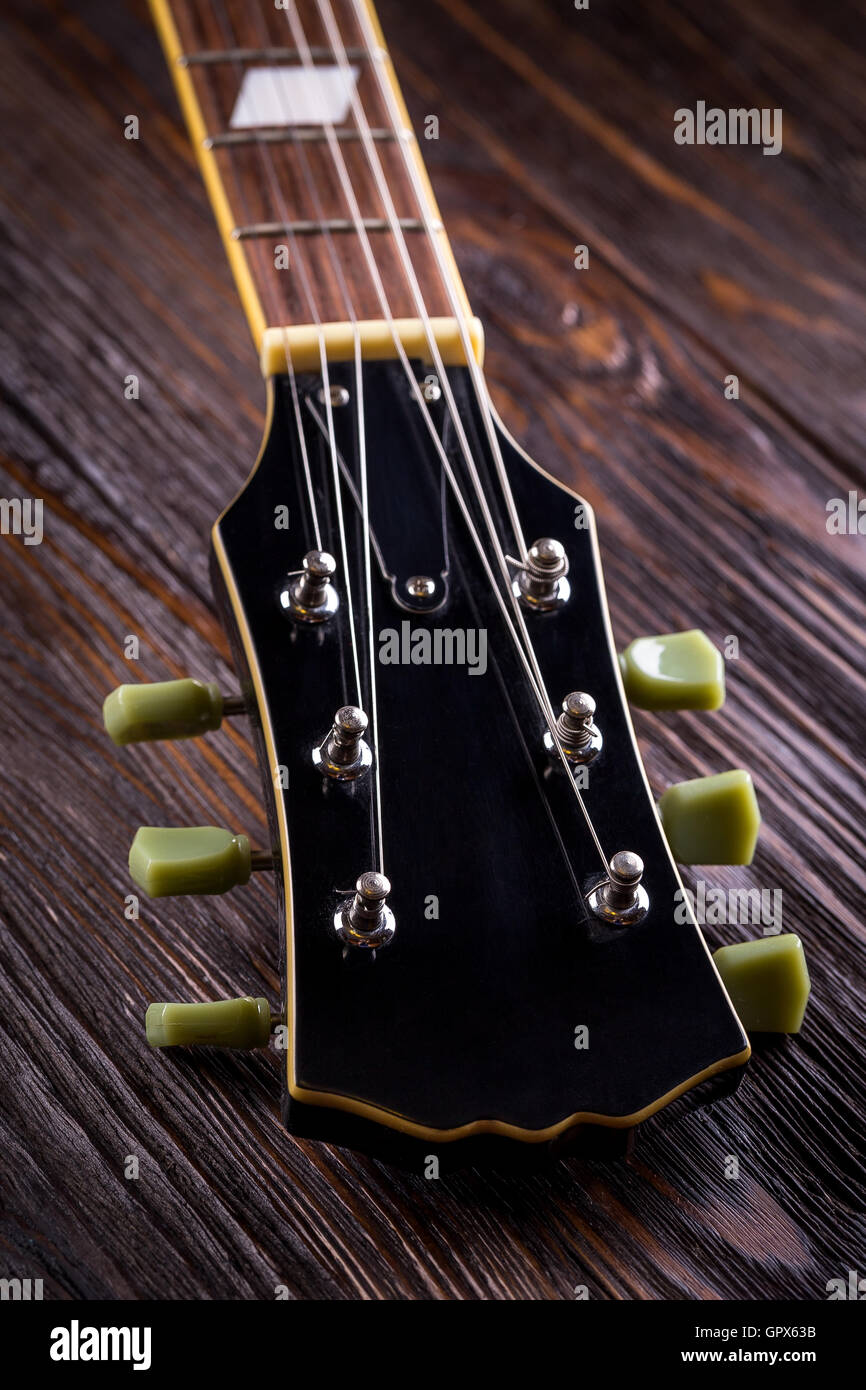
(365, 920)
(344, 755)
(577, 735)
(310, 596)
(621, 899)
(541, 583)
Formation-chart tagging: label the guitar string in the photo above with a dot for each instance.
(368, 583)
(361, 230)
(386, 311)
(535, 679)
(307, 64)
(299, 38)
(353, 491)
(454, 300)
(526, 648)
(269, 167)
(372, 154)
(420, 401)
(243, 205)
(388, 575)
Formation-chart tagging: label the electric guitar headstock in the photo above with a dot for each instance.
(486, 942)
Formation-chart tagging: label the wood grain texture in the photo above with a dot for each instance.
(556, 127)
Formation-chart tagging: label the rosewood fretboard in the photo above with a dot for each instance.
(268, 97)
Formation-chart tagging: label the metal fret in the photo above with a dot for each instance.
(210, 56)
(278, 134)
(331, 224)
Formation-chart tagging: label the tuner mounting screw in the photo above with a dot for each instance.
(344, 755)
(541, 583)
(621, 898)
(311, 597)
(365, 920)
(578, 736)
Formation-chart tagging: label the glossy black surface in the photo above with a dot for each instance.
(471, 1016)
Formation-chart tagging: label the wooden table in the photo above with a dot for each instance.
(556, 129)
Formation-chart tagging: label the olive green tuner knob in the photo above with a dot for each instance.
(169, 861)
(242, 1022)
(679, 670)
(712, 820)
(768, 982)
(166, 709)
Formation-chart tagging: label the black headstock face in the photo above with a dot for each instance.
(466, 1022)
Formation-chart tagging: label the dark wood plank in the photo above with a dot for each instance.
(759, 258)
(712, 513)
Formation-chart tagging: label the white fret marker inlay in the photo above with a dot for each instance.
(294, 96)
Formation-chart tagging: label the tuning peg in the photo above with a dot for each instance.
(678, 670)
(166, 709)
(192, 859)
(768, 982)
(244, 1022)
(712, 820)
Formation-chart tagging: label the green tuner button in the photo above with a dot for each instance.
(165, 709)
(768, 982)
(712, 820)
(194, 859)
(680, 670)
(224, 1023)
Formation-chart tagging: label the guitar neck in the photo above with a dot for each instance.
(316, 179)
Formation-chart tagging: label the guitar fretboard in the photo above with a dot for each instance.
(303, 137)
